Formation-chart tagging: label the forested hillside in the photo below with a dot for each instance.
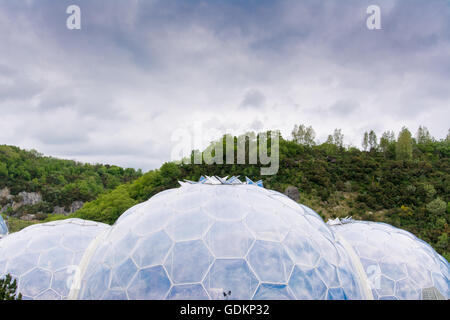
(403, 180)
(51, 182)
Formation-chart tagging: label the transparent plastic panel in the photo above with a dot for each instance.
(231, 275)
(188, 292)
(270, 262)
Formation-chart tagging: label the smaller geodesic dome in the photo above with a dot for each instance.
(3, 227)
(44, 258)
(398, 265)
(219, 239)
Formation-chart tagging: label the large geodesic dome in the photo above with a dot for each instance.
(398, 265)
(44, 258)
(3, 227)
(219, 241)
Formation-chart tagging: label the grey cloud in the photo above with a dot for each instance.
(253, 99)
(140, 69)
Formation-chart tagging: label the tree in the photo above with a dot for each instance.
(448, 136)
(338, 138)
(423, 136)
(372, 140)
(387, 138)
(365, 142)
(437, 207)
(403, 149)
(304, 135)
(8, 288)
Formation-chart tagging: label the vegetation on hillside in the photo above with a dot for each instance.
(403, 181)
(60, 182)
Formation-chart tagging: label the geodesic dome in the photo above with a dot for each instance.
(44, 258)
(219, 241)
(398, 265)
(3, 227)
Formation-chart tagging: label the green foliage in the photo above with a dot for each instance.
(8, 289)
(404, 145)
(437, 207)
(412, 193)
(107, 207)
(60, 182)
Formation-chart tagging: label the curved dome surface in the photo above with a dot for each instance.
(44, 257)
(219, 242)
(3, 227)
(398, 264)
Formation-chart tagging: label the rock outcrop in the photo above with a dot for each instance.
(292, 192)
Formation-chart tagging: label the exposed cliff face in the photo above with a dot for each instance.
(16, 202)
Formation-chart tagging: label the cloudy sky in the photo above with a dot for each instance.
(138, 71)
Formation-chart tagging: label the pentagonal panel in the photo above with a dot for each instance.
(270, 261)
(306, 284)
(149, 284)
(229, 239)
(189, 225)
(268, 291)
(188, 292)
(188, 261)
(152, 249)
(230, 275)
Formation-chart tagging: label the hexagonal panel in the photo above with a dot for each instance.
(188, 292)
(48, 295)
(23, 263)
(152, 249)
(266, 226)
(230, 275)
(154, 221)
(188, 261)
(306, 284)
(405, 290)
(229, 239)
(122, 274)
(385, 286)
(188, 225)
(270, 261)
(56, 258)
(149, 284)
(43, 242)
(115, 295)
(35, 282)
(336, 294)
(98, 283)
(226, 209)
(268, 291)
(301, 249)
(328, 273)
